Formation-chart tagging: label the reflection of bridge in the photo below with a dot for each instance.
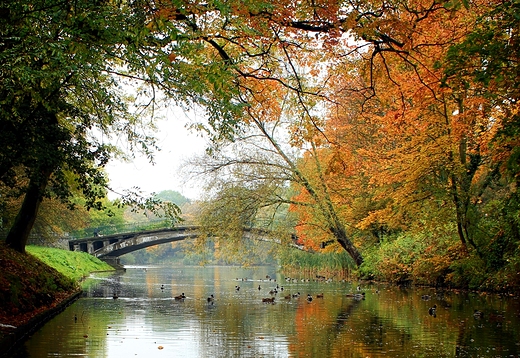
(110, 247)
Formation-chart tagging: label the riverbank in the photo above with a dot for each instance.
(37, 285)
(405, 260)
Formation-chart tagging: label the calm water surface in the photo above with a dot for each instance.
(146, 321)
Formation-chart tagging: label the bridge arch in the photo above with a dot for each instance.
(120, 244)
(97, 245)
(112, 246)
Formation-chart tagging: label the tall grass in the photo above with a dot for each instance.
(309, 265)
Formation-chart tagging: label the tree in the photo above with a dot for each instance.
(430, 138)
(61, 63)
(59, 99)
(263, 165)
(55, 219)
(248, 65)
(421, 99)
(173, 196)
(487, 61)
(430, 145)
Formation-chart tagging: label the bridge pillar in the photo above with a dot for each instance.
(82, 247)
(113, 261)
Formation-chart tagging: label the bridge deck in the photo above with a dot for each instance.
(116, 245)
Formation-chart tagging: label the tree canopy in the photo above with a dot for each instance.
(375, 118)
(61, 102)
(404, 119)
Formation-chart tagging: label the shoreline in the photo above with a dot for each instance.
(13, 337)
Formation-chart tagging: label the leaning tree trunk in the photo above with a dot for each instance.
(341, 236)
(324, 201)
(24, 221)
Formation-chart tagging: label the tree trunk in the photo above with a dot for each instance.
(324, 201)
(24, 221)
(344, 241)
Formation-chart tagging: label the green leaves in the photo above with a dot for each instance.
(59, 103)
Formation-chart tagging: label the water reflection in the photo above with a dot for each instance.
(147, 320)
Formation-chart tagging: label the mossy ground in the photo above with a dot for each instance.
(40, 279)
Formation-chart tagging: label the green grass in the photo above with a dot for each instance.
(72, 264)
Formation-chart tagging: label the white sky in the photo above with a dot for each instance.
(177, 144)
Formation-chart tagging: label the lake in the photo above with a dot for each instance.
(145, 320)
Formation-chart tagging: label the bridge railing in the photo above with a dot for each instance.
(120, 228)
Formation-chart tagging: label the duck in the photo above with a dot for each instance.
(358, 296)
(296, 295)
(426, 297)
(259, 288)
(495, 317)
(432, 311)
(268, 300)
(319, 295)
(237, 288)
(211, 298)
(309, 298)
(288, 297)
(180, 297)
(114, 296)
(273, 292)
(162, 287)
(478, 314)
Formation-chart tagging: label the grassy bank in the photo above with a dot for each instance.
(72, 264)
(37, 281)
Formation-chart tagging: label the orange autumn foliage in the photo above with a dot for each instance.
(405, 146)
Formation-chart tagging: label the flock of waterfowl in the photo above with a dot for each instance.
(358, 295)
(274, 291)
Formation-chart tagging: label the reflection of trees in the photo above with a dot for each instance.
(346, 327)
(343, 328)
(244, 328)
(473, 338)
(238, 324)
(342, 317)
(318, 327)
(83, 337)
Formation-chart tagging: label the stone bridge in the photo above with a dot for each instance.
(110, 247)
